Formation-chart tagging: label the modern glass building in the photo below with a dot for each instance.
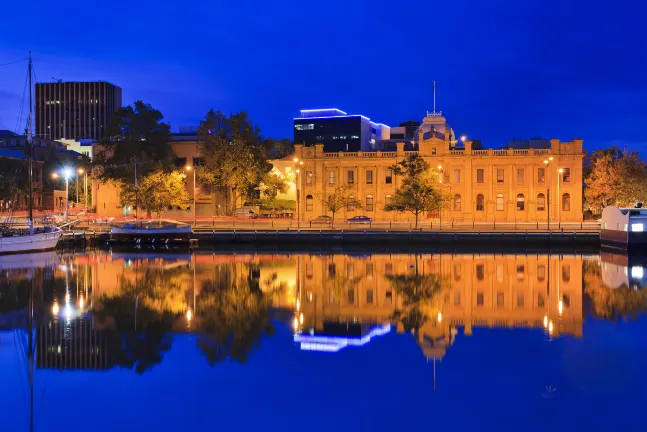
(75, 110)
(337, 130)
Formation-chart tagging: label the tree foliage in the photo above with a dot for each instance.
(14, 178)
(273, 184)
(419, 191)
(157, 190)
(615, 178)
(340, 197)
(234, 154)
(136, 134)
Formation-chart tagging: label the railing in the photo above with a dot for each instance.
(541, 151)
(499, 152)
(521, 152)
(388, 154)
(480, 152)
(410, 152)
(331, 155)
(350, 155)
(369, 154)
(457, 152)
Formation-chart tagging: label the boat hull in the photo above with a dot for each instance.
(29, 243)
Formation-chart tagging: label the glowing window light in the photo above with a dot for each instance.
(637, 272)
(637, 227)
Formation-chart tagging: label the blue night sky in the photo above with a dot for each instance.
(504, 69)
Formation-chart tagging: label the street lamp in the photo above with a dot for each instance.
(440, 180)
(463, 138)
(547, 162)
(85, 187)
(67, 174)
(559, 198)
(298, 171)
(190, 168)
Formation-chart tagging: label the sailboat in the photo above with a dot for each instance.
(17, 239)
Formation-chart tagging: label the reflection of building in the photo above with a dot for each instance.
(74, 344)
(506, 291)
(506, 185)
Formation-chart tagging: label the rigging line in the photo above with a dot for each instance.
(22, 106)
(13, 62)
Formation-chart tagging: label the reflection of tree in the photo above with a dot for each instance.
(611, 303)
(233, 316)
(419, 293)
(14, 295)
(141, 318)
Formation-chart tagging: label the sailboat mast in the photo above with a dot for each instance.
(30, 146)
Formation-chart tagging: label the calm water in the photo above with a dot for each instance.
(224, 341)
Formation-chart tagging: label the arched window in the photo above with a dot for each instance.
(457, 202)
(350, 205)
(480, 204)
(566, 202)
(388, 198)
(369, 202)
(521, 202)
(309, 203)
(541, 202)
(499, 202)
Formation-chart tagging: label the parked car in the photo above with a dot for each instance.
(245, 213)
(323, 219)
(359, 220)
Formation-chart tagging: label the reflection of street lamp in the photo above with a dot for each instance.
(547, 163)
(190, 168)
(66, 173)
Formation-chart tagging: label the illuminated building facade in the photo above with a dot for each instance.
(518, 183)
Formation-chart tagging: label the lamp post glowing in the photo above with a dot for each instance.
(559, 198)
(463, 138)
(298, 171)
(85, 187)
(547, 163)
(190, 168)
(440, 180)
(66, 173)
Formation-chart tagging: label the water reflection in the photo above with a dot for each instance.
(101, 310)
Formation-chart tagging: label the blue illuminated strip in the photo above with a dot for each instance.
(323, 109)
(335, 343)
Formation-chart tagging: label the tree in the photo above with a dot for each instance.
(338, 199)
(272, 185)
(280, 148)
(234, 155)
(419, 191)
(614, 178)
(14, 178)
(157, 191)
(137, 134)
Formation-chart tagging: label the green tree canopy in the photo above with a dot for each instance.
(157, 190)
(340, 197)
(234, 154)
(419, 191)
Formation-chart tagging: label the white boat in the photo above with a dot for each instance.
(151, 231)
(22, 241)
(624, 227)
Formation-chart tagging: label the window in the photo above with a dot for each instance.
(499, 202)
(457, 272)
(541, 175)
(499, 175)
(369, 202)
(566, 299)
(457, 175)
(350, 176)
(331, 177)
(566, 202)
(388, 269)
(389, 177)
(480, 272)
(480, 175)
(566, 175)
(541, 202)
(309, 270)
(457, 202)
(499, 272)
(309, 177)
(180, 162)
(350, 205)
(541, 273)
(351, 296)
(457, 298)
(566, 273)
(480, 205)
(520, 300)
(309, 203)
(479, 298)
(197, 161)
(369, 176)
(520, 175)
(500, 298)
(521, 270)
(521, 201)
(388, 198)
(389, 297)
(369, 271)
(350, 270)
(540, 300)
(309, 126)
(369, 296)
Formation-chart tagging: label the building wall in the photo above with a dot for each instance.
(440, 153)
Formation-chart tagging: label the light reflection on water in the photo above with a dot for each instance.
(144, 313)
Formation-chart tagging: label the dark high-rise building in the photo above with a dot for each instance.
(75, 110)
